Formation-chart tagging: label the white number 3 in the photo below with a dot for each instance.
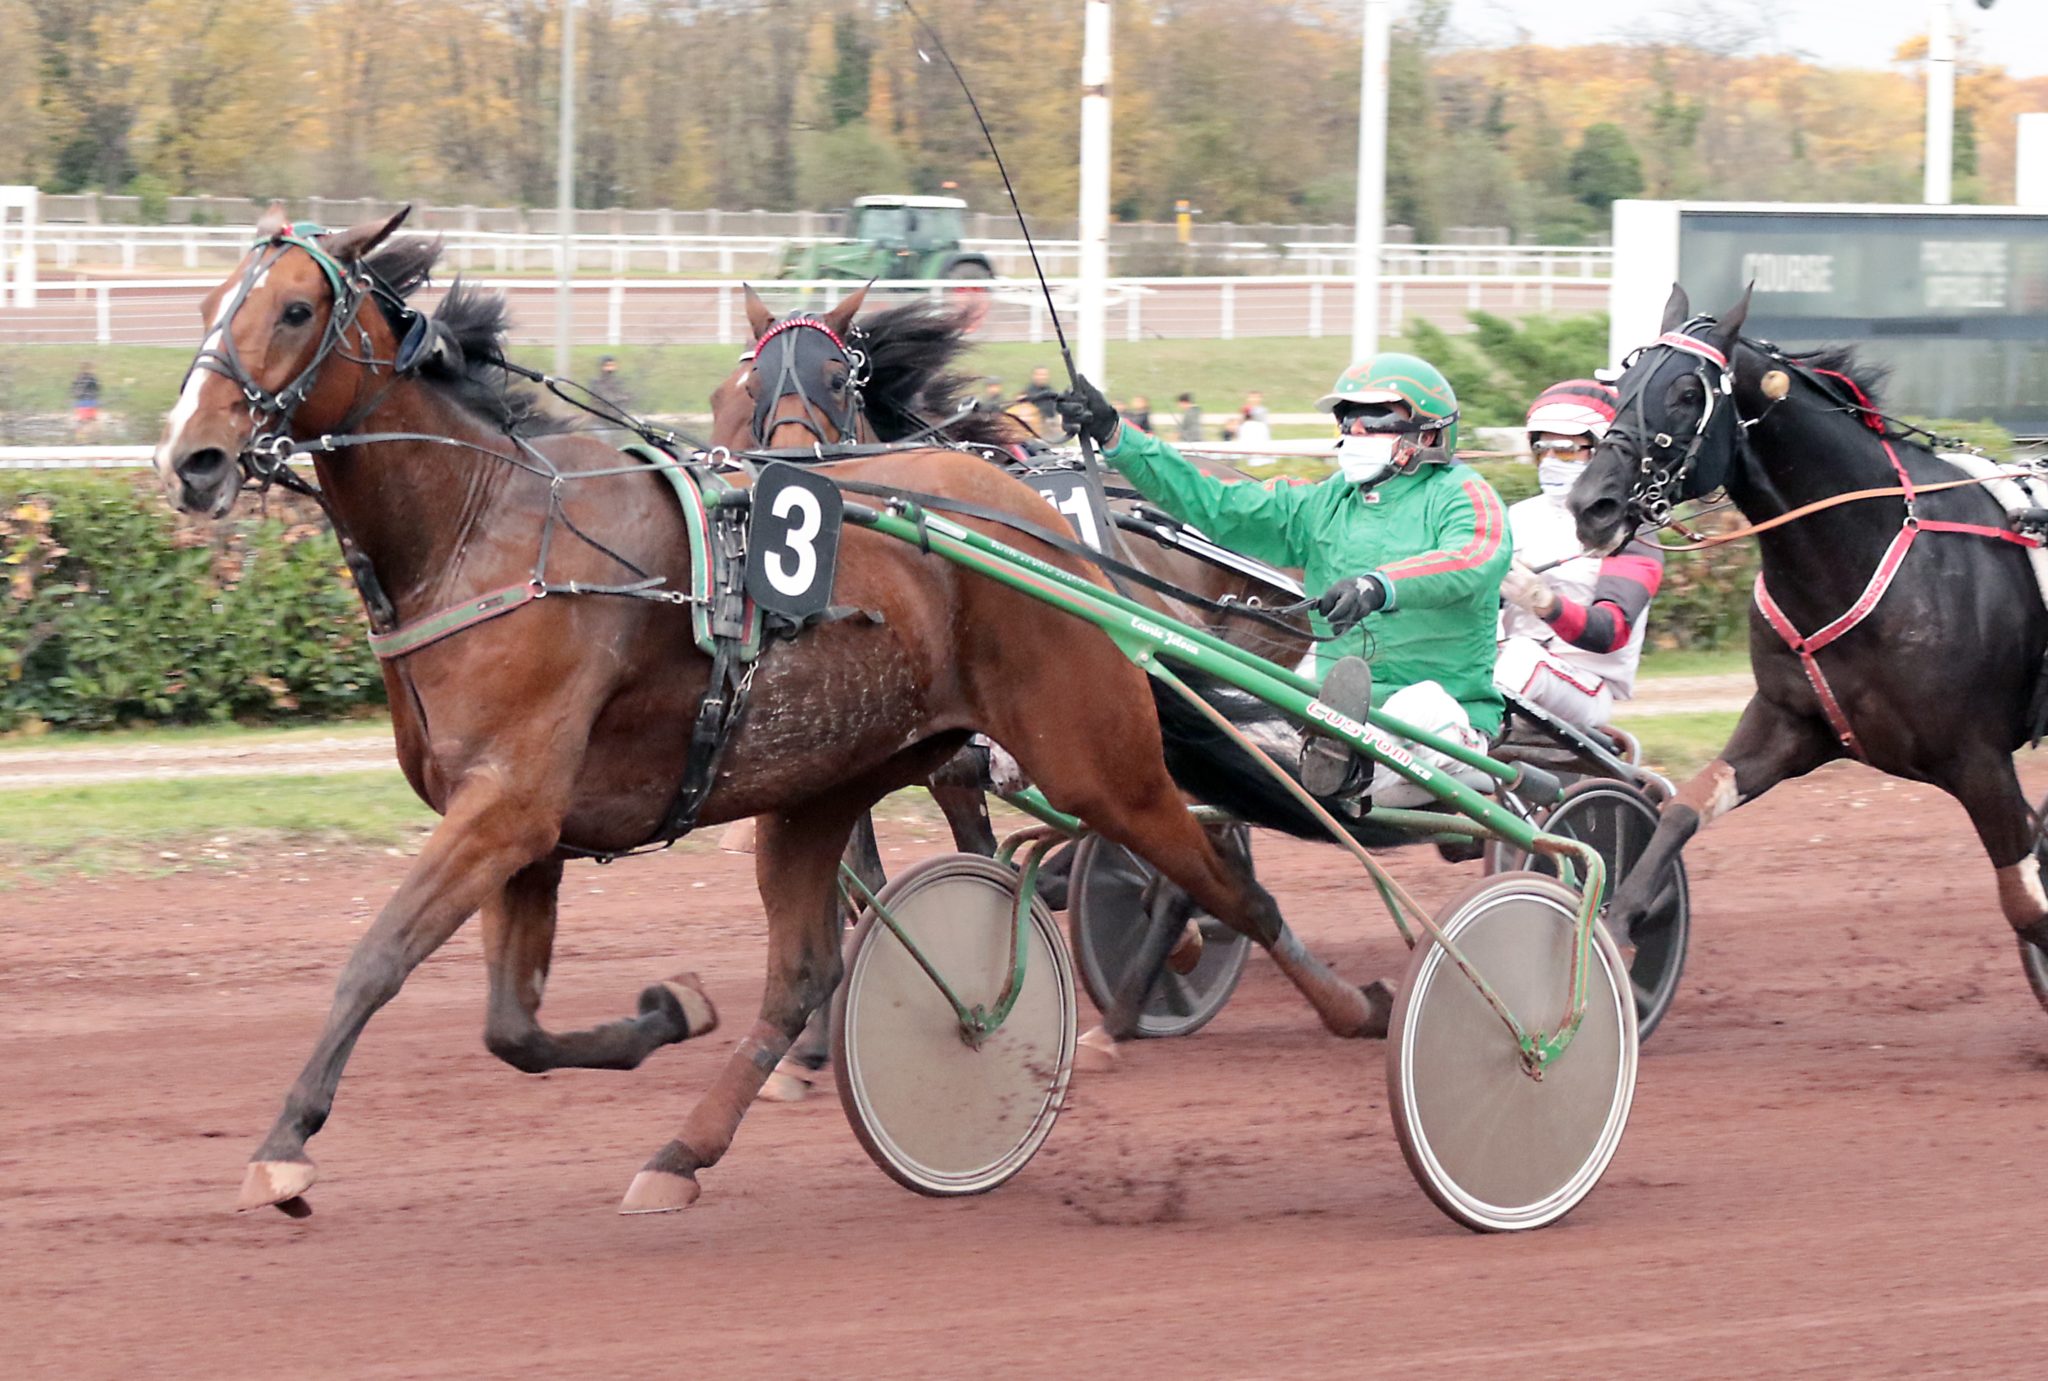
(801, 541)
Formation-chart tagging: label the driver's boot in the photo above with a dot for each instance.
(1328, 765)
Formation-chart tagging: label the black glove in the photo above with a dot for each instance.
(1086, 412)
(1346, 603)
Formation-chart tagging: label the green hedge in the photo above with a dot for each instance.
(118, 611)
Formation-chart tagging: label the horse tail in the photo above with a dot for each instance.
(1217, 770)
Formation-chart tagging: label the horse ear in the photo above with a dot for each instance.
(1677, 309)
(274, 221)
(358, 240)
(840, 318)
(1731, 320)
(759, 318)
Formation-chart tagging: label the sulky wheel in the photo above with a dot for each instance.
(1106, 913)
(2033, 959)
(1618, 821)
(940, 1115)
(1498, 1150)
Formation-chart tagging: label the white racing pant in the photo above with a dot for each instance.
(1535, 672)
(1429, 707)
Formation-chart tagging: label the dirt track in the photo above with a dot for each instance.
(1833, 1166)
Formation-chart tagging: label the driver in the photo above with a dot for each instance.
(1402, 535)
(1571, 633)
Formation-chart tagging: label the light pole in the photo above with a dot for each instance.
(565, 190)
(1941, 101)
(1094, 266)
(1372, 181)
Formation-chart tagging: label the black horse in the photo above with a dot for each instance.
(1907, 631)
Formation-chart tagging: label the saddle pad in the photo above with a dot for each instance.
(698, 490)
(2015, 491)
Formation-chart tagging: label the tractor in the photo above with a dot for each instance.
(893, 237)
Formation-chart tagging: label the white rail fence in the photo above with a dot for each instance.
(651, 311)
(62, 247)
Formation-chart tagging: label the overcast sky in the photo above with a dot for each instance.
(1836, 33)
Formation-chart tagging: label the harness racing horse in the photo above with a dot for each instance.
(819, 384)
(526, 588)
(1907, 632)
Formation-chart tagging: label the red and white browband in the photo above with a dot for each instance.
(1692, 345)
(791, 323)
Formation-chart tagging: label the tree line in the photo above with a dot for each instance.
(1246, 108)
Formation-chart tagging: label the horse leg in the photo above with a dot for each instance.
(797, 865)
(519, 942)
(1770, 744)
(493, 828)
(1989, 790)
(966, 812)
(798, 1072)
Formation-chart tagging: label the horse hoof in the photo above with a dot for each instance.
(791, 1081)
(687, 1004)
(1379, 1001)
(1187, 950)
(657, 1191)
(1095, 1052)
(279, 1183)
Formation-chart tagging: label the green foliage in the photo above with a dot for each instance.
(153, 196)
(1604, 167)
(846, 92)
(117, 613)
(1502, 365)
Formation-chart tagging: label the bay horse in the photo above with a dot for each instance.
(543, 729)
(838, 380)
(1904, 631)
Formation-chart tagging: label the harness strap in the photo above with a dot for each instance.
(404, 641)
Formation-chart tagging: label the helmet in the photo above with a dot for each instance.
(1576, 407)
(1391, 377)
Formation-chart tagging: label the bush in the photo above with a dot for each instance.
(117, 612)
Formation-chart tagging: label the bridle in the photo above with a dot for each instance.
(1668, 469)
(266, 456)
(792, 347)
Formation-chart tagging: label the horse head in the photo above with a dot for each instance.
(265, 371)
(1675, 434)
(799, 383)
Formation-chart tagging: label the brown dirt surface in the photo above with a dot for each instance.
(1826, 1171)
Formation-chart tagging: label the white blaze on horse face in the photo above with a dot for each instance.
(188, 398)
(2020, 895)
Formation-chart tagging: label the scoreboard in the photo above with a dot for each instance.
(1953, 299)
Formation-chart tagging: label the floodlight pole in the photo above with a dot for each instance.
(1941, 101)
(1372, 181)
(1092, 357)
(565, 192)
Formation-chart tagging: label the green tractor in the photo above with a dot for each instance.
(893, 237)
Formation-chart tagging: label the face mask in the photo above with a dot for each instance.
(1558, 476)
(1367, 459)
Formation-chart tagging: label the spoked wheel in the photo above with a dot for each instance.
(1106, 916)
(2034, 960)
(1498, 1150)
(940, 1115)
(1618, 821)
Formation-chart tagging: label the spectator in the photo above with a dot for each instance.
(1190, 422)
(611, 385)
(993, 399)
(85, 402)
(1046, 399)
(1253, 425)
(1139, 413)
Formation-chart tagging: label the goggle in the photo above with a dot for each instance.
(1562, 446)
(1382, 421)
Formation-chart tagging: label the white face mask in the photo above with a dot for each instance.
(1367, 459)
(1558, 476)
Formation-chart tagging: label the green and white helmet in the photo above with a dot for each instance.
(1391, 377)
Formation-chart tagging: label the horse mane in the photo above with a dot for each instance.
(475, 319)
(912, 351)
(1868, 377)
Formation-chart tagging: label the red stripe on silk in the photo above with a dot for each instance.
(1486, 535)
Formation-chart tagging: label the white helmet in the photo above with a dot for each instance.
(1577, 407)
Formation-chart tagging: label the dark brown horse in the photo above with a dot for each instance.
(1924, 625)
(561, 726)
